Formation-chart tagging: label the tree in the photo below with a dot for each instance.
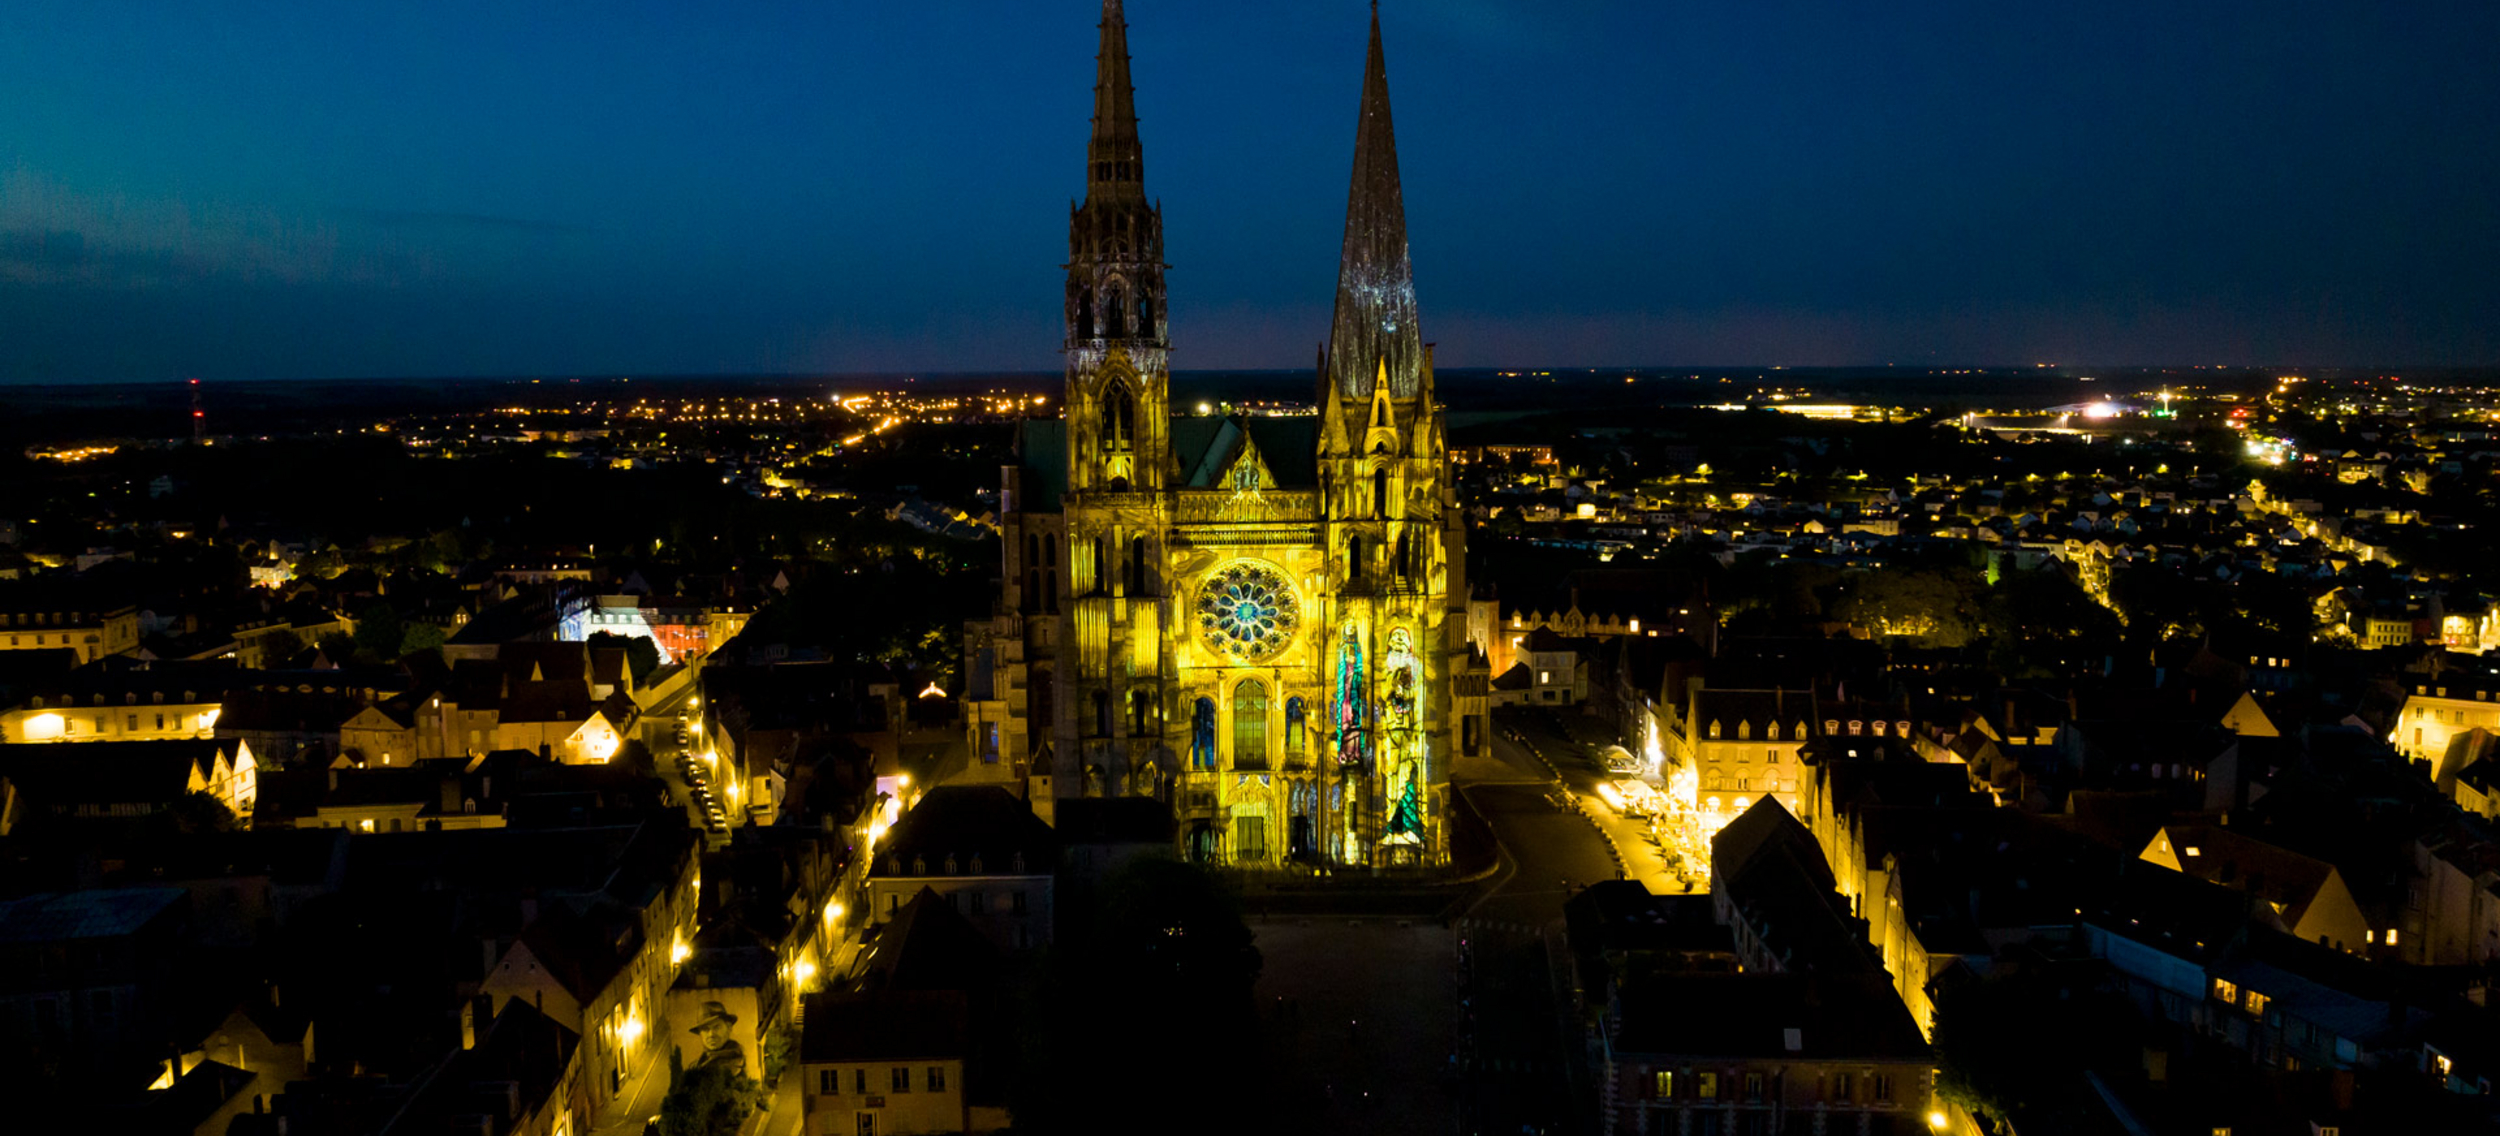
(379, 633)
(636, 756)
(339, 646)
(642, 655)
(2036, 618)
(422, 637)
(1932, 606)
(707, 1100)
(199, 812)
(278, 648)
(779, 1046)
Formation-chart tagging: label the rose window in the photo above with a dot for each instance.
(1247, 611)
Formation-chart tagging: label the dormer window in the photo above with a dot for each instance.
(920, 865)
(1856, 728)
(1879, 727)
(950, 864)
(1744, 730)
(976, 865)
(1714, 729)
(894, 865)
(1901, 728)
(1831, 725)
(1016, 864)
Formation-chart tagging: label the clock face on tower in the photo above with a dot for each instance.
(1247, 611)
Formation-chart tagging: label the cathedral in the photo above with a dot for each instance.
(1256, 619)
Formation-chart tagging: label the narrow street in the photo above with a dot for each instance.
(1519, 1052)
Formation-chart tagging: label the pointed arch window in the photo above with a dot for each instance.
(1202, 734)
(1294, 731)
(1250, 724)
(1032, 572)
(1050, 579)
(1145, 315)
(1114, 313)
(1137, 566)
(1085, 313)
(1400, 563)
(1140, 713)
(1102, 713)
(1119, 420)
(1380, 492)
(1354, 557)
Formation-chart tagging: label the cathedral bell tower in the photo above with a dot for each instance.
(1118, 399)
(1388, 519)
(1380, 437)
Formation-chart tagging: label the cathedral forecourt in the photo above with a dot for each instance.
(1256, 620)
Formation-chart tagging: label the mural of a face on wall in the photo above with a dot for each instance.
(719, 1049)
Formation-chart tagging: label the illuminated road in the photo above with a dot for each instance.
(1519, 1070)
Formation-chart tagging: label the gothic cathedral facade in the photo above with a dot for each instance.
(1255, 619)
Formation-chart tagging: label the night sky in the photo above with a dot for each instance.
(246, 190)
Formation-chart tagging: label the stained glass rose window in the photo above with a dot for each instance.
(1247, 611)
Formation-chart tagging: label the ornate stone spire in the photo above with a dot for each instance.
(1118, 402)
(1118, 160)
(1375, 323)
(1115, 237)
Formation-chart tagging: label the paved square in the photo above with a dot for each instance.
(1359, 1007)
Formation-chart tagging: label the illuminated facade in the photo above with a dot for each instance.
(1255, 619)
(1742, 746)
(92, 634)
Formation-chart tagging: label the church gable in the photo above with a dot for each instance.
(1280, 448)
(1245, 470)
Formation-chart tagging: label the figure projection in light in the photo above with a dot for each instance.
(1202, 735)
(1401, 716)
(1352, 746)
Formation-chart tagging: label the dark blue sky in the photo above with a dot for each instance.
(237, 190)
